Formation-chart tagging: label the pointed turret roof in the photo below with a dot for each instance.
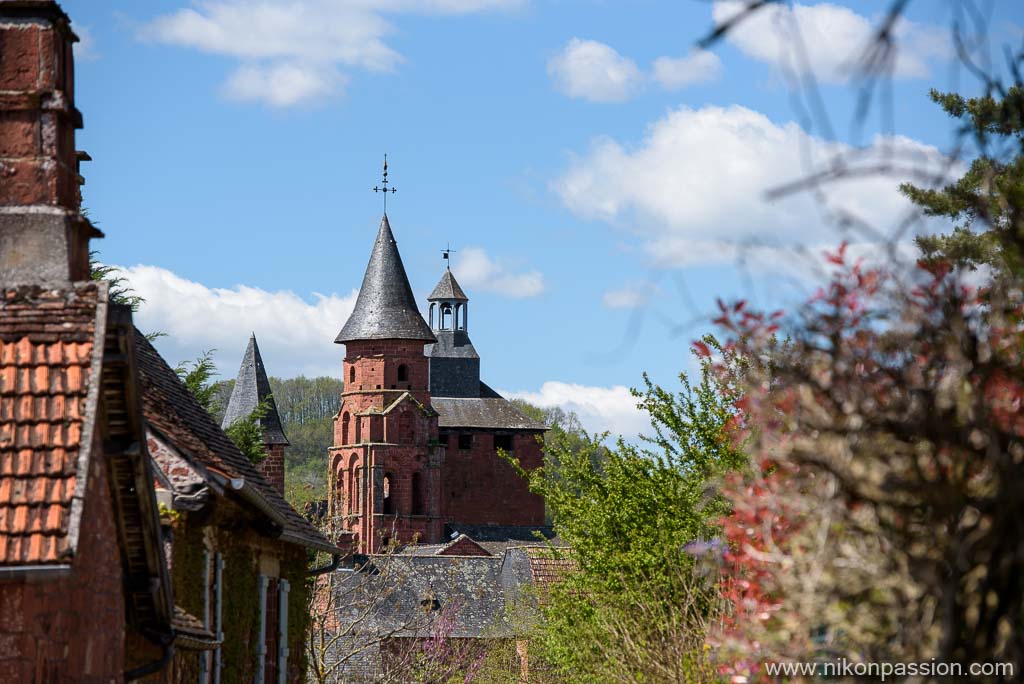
(385, 308)
(251, 388)
(448, 288)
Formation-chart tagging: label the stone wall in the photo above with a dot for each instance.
(70, 629)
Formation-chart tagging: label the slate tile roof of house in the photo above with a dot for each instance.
(170, 408)
(49, 356)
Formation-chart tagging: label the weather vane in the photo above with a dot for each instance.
(384, 185)
(447, 252)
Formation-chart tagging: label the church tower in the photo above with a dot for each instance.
(385, 462)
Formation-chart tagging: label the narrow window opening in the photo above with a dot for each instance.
(403, 373)
(388, 505)
(503, 443)
(417, 494)
(352, 374)
(446, 317)
(465, 441)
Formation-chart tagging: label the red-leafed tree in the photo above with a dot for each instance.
(882, 517)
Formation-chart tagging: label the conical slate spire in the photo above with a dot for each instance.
(448, 288)
(385, 308)
(251, 388)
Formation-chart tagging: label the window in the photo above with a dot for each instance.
(403, 373)
(388, 500)
(352, 375)
(446, 317)
(465, 441)
(417, 494)
(503, 443)
(344, 428)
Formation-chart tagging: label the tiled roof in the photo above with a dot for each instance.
(404, 594)
(488, 412)
(49, 357)
(170, 408)
(448, 288)
(385, 308)
(251, 388)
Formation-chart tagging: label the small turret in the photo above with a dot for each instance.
(252, 388)
(454, 363)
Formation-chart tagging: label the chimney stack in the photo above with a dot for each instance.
(44, 239)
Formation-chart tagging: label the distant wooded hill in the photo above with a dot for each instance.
(307, 407)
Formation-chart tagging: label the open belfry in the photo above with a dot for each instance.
(417, 441)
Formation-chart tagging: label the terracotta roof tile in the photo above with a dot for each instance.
(46, 352)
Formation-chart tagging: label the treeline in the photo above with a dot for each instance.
(307, 407)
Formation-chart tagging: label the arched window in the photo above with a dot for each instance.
(460, 317)
(359, 431)
(388, 507)
(352, 375)
(345, 419)
(431, 316)
(403, 373)
(446, 317)
(417, 494)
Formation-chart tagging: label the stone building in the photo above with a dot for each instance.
(417, 438)
(85, 594)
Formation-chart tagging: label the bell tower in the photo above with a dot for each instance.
(385, 463)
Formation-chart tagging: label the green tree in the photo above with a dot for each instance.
(120, 291)
(628, 513)
(985, 204)
(196, 376)
(247, 433)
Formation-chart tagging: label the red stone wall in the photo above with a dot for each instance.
(70, 629)
(392, 453)
(272, 467)
(480, 488)
(38, 117)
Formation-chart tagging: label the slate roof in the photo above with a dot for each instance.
(491, 411)
(451, 344)
(51, 354)
(402, 591)
(496, 539)
(448, 288)
(251, 388)
(170, 408)
(385, 308)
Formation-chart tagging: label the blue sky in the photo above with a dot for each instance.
(599, 178)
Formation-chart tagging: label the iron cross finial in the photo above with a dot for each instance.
(447, 252)
(384, 185)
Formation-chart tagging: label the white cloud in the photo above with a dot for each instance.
(283, 85)
(293, 49)
(833, 37)
(589, 70)
(599, 408)
(674, 73)
(295, 336)
(694, 187)
(474, 268)
(630, 295)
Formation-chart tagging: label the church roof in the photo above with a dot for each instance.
(490, 412)
(448, 288)
(385, 308)
(251, 388)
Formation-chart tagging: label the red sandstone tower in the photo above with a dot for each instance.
(385, 465)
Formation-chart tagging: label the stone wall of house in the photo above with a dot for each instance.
(72, 628)
(481, 488)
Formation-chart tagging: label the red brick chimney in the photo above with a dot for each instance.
(43, 237)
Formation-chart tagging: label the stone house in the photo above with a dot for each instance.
(120, 497)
